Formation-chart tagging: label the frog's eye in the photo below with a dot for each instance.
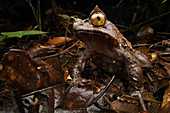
(98, 19)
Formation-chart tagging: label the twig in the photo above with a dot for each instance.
(56, 13)
(155, 44)
(50, 56)
(119, 3)
(44, 89)
(111, 105)
(101, 93)
(150, 78)
(163, 33)
(76, 12)
(62, 52)
(39, 16)
(66, 34)
(133, 19)
(154, 101)
(33, 9)
(141, 45)
(153, 18)
(70, 47)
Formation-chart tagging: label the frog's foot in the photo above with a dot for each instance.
(138, 93)
(78, 81)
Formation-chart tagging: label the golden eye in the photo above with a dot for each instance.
(98, 19)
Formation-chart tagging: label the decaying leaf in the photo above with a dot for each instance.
(144, 31)
(144, 50)
(0, 67)
(45, 100)
(166, 42)
(26, 74)
(165, 108)
(125, 107)
(37, 50)
(166, 66)
(79, 97)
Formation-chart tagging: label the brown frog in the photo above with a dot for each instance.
(110, 47)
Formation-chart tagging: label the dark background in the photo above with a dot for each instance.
(17, 14)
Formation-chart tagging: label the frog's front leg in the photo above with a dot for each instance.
(135, 74)
(134, 71)
(79, 68)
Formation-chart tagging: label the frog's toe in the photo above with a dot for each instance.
(138, 93)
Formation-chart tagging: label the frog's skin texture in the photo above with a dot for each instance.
(111, 49)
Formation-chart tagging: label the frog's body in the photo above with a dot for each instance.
(110, 48)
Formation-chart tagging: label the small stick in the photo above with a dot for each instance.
(154, 101)
(62, 52)
(101, 93)
(111, 105)
(40, 90)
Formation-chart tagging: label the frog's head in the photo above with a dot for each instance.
(97, 29)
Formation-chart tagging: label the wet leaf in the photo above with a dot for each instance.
(10, 101)
(64, 16)
(165, 108)
(19, 34)
(2, 38)
(166, 66)
(37, 50)
(164, 1)
(57, 41)
(166, 42)
(26, 74)
(0, 67)
(152, 105)
(80, 97)
(125, 107)
(166, 97)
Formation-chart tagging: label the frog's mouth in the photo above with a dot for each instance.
(91, 35)
(95, 37)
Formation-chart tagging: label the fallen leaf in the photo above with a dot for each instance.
(153, 56)
(145, 31)
(166, 66)
(57, 41)
(165, 108)
(21, 72)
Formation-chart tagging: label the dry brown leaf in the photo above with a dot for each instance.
(21, 72)
(166, 100)
(57, 41)
(1, 67)
(144, 50)
(145, 31)
(153, 56)
(166, 66)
